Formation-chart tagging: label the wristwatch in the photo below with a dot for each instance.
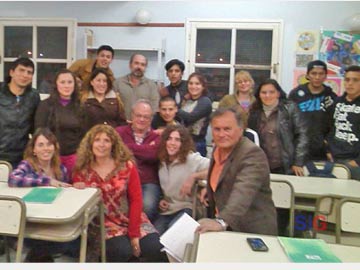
(222, 223)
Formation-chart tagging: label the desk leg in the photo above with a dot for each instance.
(102, 232)
(83, 242)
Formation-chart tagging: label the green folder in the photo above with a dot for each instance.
(42, 195)
(308, 250)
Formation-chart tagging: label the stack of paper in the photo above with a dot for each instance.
(307, 250)
(178, 235)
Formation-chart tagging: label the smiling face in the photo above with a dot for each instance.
(268, 94)
(102, 146)
(168, 110)
(141, 117)
(173, 144)
(103, 59)
(43, 149)
(99, 84)
(21, 76)
(195, 87)
(65, 85)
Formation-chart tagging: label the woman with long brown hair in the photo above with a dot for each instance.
(41, 165)
(180, 168)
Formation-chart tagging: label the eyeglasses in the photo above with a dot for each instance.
(146, 117)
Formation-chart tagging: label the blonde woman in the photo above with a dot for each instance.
(243, 96)
(106, 163)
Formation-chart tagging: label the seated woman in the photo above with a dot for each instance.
(180, 168)
(103, 161)
(41, 165)
(102, 104)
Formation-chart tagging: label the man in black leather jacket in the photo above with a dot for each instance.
(18, 102)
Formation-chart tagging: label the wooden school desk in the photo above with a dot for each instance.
(232, 247)
(65, 219)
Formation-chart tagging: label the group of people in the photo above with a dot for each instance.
(145, 147)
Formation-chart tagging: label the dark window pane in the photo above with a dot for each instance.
(18, 41)
(45, 76)
(253, 47)
(218, 81)
(213, 46)
(52, 42)
(258, 75)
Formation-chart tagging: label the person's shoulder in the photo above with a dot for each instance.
(299, 91)
(123, 129)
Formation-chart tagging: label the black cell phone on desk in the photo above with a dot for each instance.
(257, 244)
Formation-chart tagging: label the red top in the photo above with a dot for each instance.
(121, 193)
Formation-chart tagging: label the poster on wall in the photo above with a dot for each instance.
(307, 41)
(339, 49)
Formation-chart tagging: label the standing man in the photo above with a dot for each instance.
(314, 100)
(18, 102)
(238, 191)
(136, 86)
(344, 136)
(177, 88)
(83, 68)
(144, 144)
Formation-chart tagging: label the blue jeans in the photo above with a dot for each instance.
(201, 147)
(151, 198)
(164, 222)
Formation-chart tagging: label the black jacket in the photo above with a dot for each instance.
(16, 122)
(292, 129)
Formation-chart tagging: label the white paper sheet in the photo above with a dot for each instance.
(178, 235)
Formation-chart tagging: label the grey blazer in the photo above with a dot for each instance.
(243, 195)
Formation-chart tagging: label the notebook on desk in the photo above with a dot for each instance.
(42, 195)
(307, 250)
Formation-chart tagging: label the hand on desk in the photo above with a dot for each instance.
(207, 224)
(299, 171)
(56, 183)
(79, 185)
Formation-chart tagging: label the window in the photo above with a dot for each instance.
(218, 49)
(50, 43)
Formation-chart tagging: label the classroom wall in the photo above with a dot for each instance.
(301, 15)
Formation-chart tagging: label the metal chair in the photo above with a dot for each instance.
(13, 221)
(5, 170)
(348, 222)
(284, 197)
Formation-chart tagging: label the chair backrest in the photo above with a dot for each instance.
(339, 170)
(348, 218)
(5, 170)
(13, 220)
(284, 197)
(252, 135)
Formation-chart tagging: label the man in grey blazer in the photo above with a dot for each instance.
(238, 191)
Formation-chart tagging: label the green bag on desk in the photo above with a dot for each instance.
(42, 195)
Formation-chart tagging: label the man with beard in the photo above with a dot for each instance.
(136, 86)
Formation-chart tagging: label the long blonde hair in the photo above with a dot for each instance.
(119, 151)
(33, 160)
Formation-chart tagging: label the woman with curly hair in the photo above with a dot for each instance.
(180, 168)
(104, 162)
(41, 165)
(102, 104)
(63, 115)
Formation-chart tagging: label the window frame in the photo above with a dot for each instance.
(276, 26)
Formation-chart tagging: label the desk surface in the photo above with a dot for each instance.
(68, 206)
(313, 187)
(232, 247)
